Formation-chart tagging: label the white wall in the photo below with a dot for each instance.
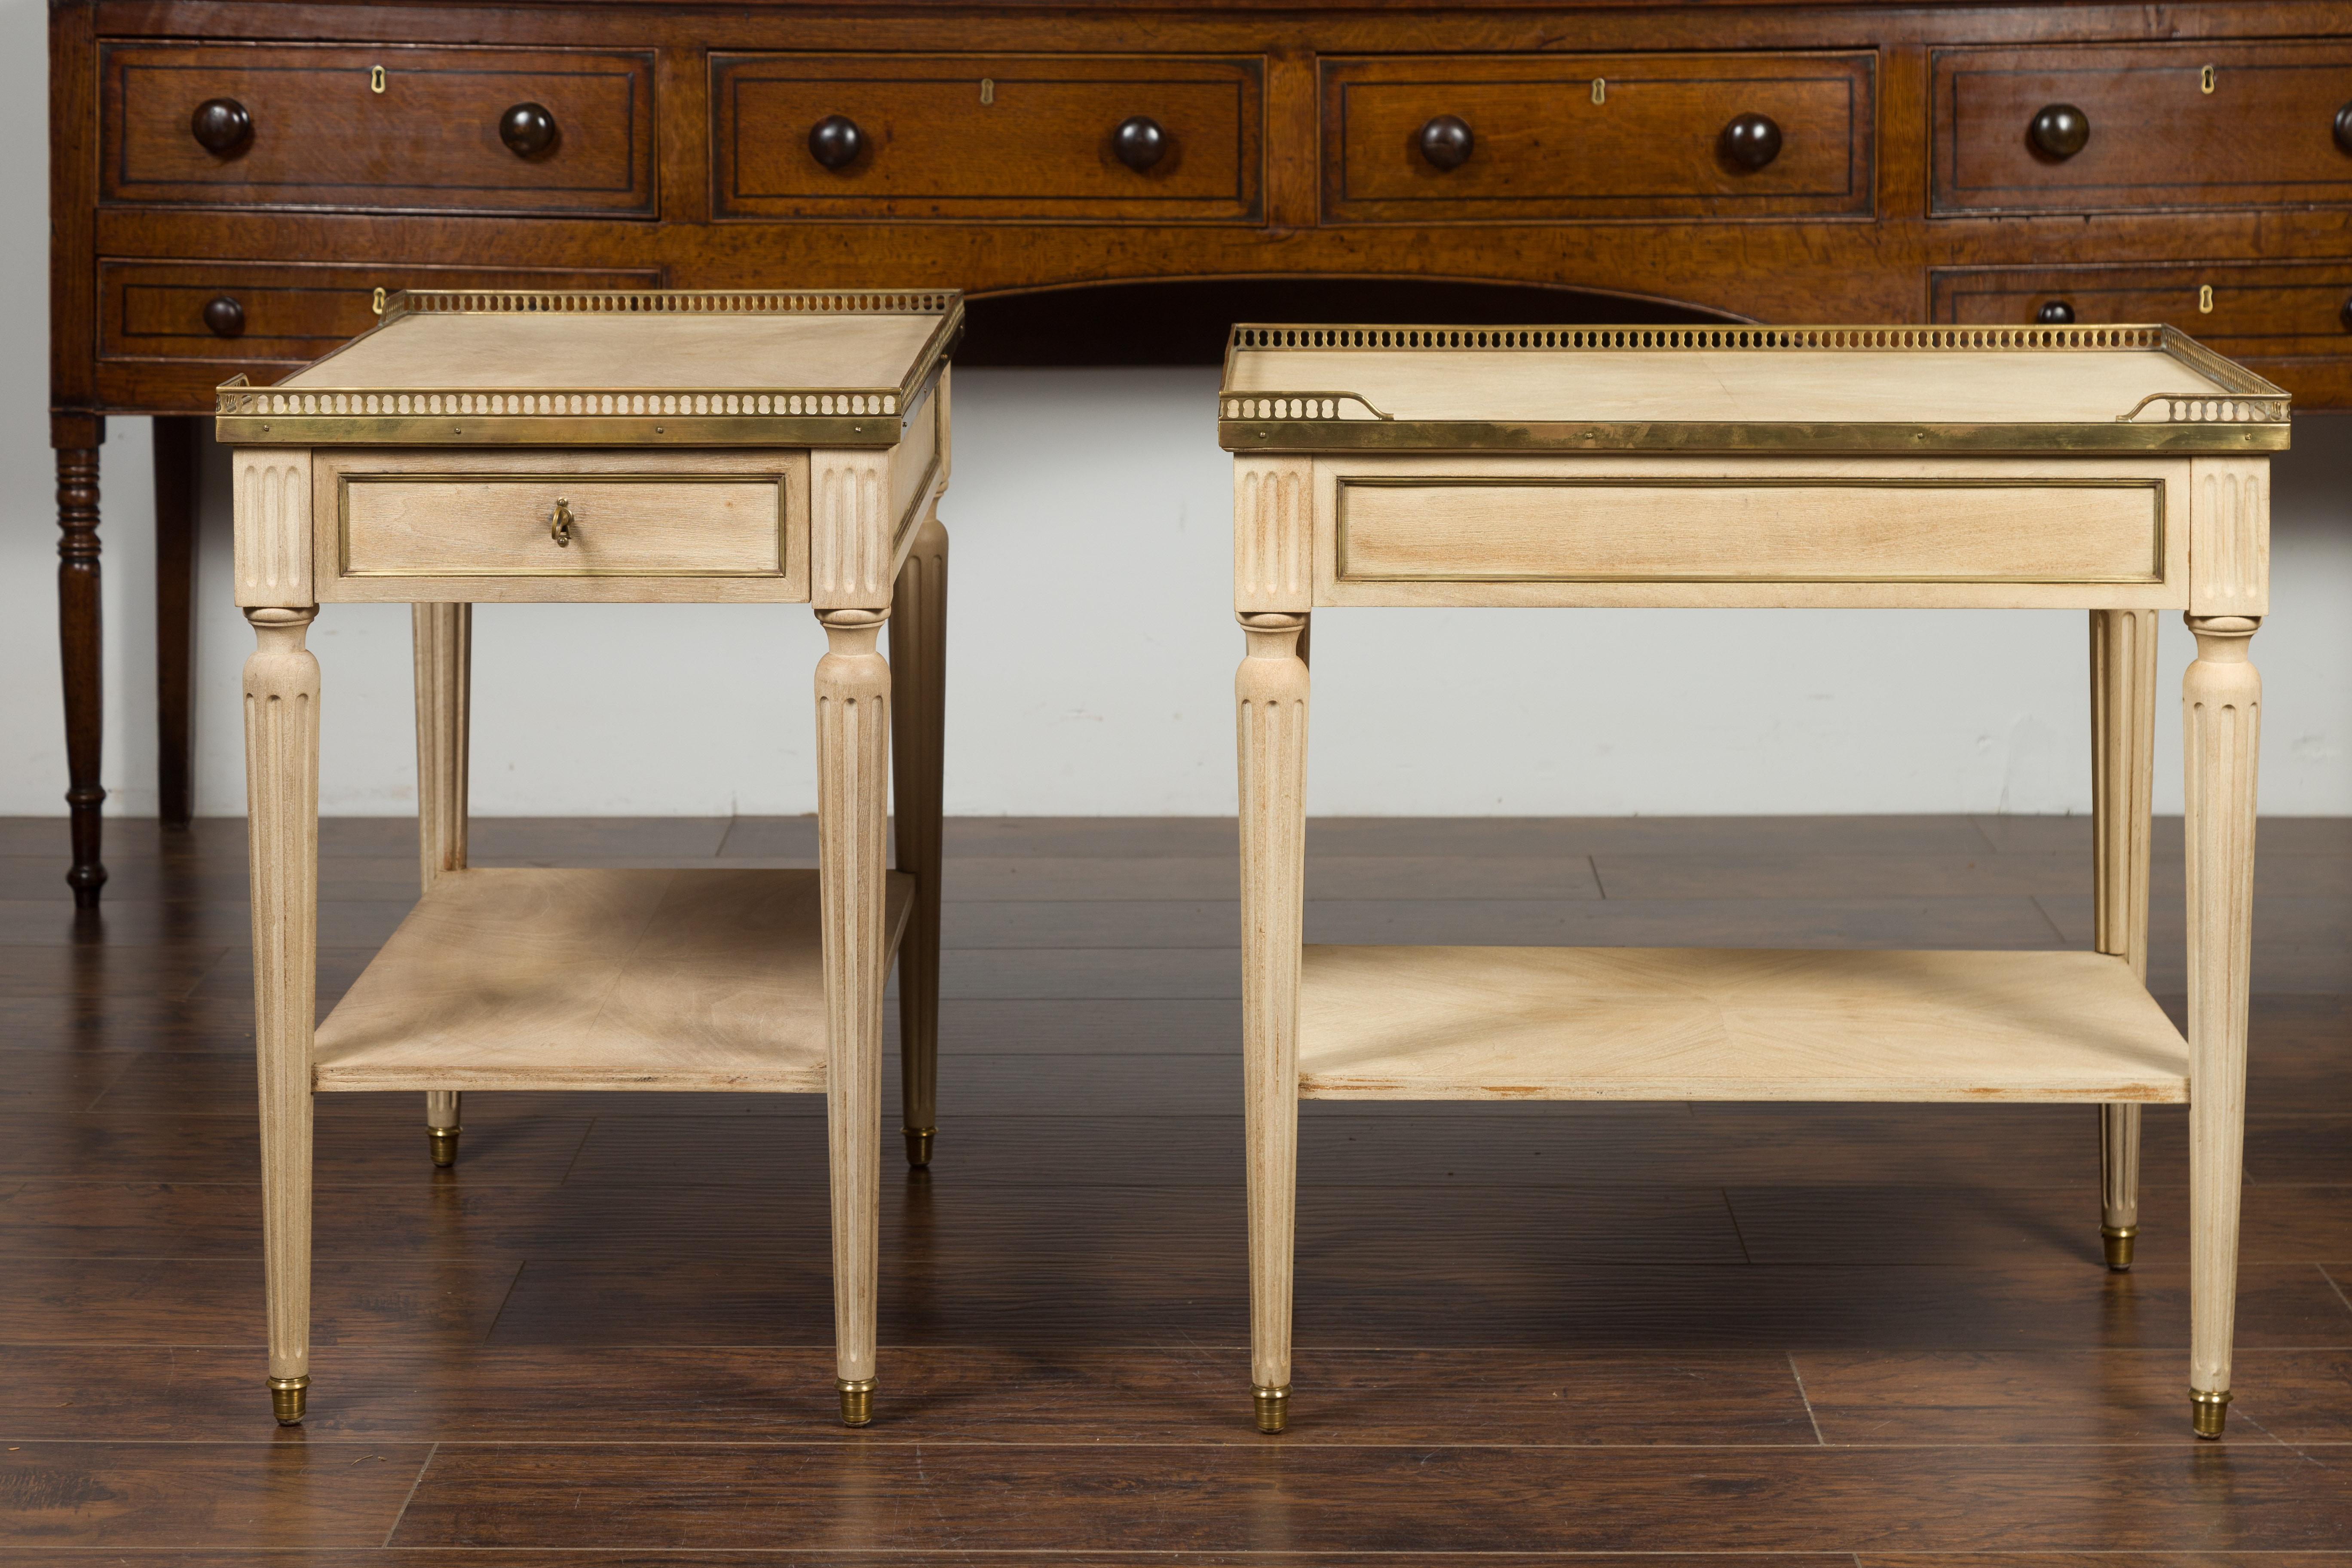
(1092, 647)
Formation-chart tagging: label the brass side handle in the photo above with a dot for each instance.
(559, 526)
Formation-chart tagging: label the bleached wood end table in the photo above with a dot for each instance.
(2122, 471)
(660, 447)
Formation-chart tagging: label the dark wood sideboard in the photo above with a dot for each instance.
(233, 184)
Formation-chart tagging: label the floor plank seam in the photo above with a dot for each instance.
(1807, 1399)
(405, 1501)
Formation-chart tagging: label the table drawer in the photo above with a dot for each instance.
(1569, 136)
(1751, 531)
(376, 128)
(524, 525)
(2243, 310)
(979, 136)
(2170, 126)
(245, 313)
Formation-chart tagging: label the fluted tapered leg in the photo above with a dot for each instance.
(852, 742)
(919, 663)
(2123, 769)
(281, 783)
(445, 660)
(2220, 732)
(1270, 691)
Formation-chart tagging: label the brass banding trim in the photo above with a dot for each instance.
(1505, 435)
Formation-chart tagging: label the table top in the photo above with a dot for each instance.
(659, 367)
(1910, 389)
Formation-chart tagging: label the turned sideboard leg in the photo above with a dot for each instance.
(2220, 731)
(178, 440)
(1270, 691)
(444, 663)
(2123, 777)
(853, 746)
(76, 437)
(281, 783)
(919, 663)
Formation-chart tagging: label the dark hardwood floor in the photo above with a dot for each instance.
(1872, 1336)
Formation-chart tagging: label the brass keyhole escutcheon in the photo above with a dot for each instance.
(559, 527)
(2205, 298)
(2209, 79)
(375, 303)
(1600, 89)
(987, 91)
(375, 78)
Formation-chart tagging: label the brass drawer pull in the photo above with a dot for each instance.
(559, 527)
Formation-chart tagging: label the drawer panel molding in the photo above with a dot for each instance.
(2153, 127)
(1515, 138)
(377, 128)
(402, 526)
(286, 313)
(2081, 532)
(1050, 138)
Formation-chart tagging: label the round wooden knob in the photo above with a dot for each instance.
(2343, 128)
(225, 316)
(1139, 142)
(221, 125)
(835, 141)
(1446, 141)
(1751, 141)
(528, 130)
(2055, 313)
(2059, 131)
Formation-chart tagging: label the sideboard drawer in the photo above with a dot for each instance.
(2153, 126)
(980, 136)
(1564, 136)
(2244, 310)
(245, 313)
(377, 128)
(405, 526)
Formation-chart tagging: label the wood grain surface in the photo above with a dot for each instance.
(1533, 1333)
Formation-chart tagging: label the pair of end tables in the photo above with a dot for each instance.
(671, 447)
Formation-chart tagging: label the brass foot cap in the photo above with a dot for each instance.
(2117, 1240)
(918, 1145)
(443, 1141)
(1272, 1407)
(856, 1400)
(2208, 1410)
(288, 1396)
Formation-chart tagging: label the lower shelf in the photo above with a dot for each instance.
(595, 979)
(1535, 1023)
